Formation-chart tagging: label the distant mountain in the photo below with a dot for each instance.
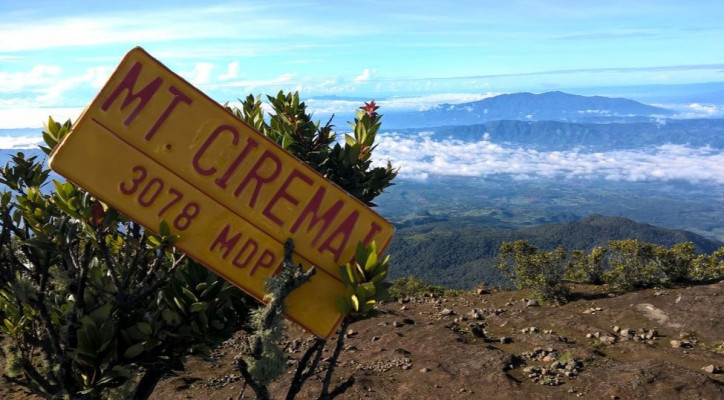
(461, 258)
(550, 106)
(556, 135)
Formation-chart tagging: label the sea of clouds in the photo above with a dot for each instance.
(419, 157)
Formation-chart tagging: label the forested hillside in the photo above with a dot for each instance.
(462, 258)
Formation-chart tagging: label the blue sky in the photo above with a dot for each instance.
(54, 56)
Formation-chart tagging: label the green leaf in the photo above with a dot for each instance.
(102, 313)
(361, 294)
(9, 326)
(199, 306)
(179, 304)
(371, 260)
(380, 276)
(190, 294)
(170, 317)
(342, 305)
(369, 289)
(145, 328)
(164, 229)
(134, 351)
(348, 275)
(355, 302)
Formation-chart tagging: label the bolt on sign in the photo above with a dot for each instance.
(156, 148)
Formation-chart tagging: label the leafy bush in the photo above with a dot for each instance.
(530, 268)
(88, 296)
(707, 267)
(633, 265)
(587, 268)
(411, 286)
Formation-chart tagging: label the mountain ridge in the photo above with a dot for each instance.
(526, 106)
(561, 135)
(442, 253)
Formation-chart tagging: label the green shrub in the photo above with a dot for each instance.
(633, 265)
(587, 268)
(529, 268)
(411, 286)
(707, 267)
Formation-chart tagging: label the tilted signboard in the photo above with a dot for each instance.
(156, 148)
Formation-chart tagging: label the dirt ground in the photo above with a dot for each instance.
(501, 346)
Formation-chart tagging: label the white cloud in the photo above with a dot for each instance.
(93, 78)
(696, 110)
(32, 117)
(201, 73)
(232, 71)
(411, 103)
(420, 156)
(20, 142)
(364, 76)
(38, 76)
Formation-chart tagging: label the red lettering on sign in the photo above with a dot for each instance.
(250, 244)
(222, 239)
(374, 228)
(215, 134)
(312, 209)
(177, 98)
(344, 230)
(129, 83)
(266, 260)
(250, 144)
(283, 194)
(254, 174)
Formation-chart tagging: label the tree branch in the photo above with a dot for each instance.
(333, 361)
(304, 370)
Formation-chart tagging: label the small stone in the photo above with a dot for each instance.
(482, 289)
(532, 303)
(589, 335)
(607, 339)
(375, 338)
(447, 311)
(397, 324)
(616, 329)
(424, 370)
(505, 340)
(476, 314)
(681, 344)
(403, 308)
(711, 369)
(351, 332)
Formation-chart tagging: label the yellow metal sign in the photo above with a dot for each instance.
(156, 148)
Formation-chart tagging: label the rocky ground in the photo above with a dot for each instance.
(654, 343)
